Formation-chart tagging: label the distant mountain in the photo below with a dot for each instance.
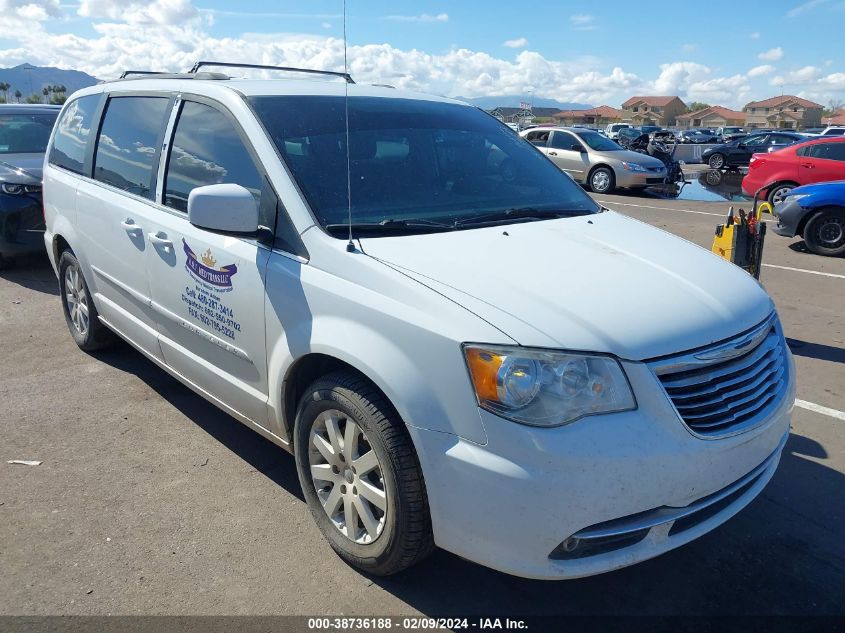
(31, 79)
(512, 101)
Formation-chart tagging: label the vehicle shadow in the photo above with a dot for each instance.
(33, 272)
(267, 458)
(816, 350)
(783, 554)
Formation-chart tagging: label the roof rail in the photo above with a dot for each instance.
(310, 71)
(126, 73)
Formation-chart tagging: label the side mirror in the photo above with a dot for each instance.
(577, 147)
(228, 208)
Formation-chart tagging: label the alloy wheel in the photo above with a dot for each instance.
(600, 181)
(76, 299)
(780, 193)
(347, 476)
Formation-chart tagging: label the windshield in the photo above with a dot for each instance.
(25, 133)
(431, 162)
(598, 142)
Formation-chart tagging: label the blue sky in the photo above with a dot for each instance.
(572, 51)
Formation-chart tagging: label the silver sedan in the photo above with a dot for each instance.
(594, 160)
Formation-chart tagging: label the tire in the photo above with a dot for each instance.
(778, 191)
(716, 161)
(602, 180)
(399, 535)
(824, 234)
(80, 312)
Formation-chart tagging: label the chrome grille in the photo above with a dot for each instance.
(729, 387)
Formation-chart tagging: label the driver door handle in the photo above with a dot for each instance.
(129, 225)
(552, 153)
(160, 239)
(808, 165)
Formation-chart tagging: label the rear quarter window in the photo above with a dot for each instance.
(72, 132)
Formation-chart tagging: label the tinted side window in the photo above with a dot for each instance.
(72, 134)
(828, 151)
(128, 143)
(562, 140)
(206, 150)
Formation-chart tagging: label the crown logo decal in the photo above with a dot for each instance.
(208, 259)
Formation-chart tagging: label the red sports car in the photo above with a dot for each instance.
(777, 173)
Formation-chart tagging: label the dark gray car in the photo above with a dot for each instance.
(24, 133)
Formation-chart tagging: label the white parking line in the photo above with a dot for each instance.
(802, 270)
(645, 206)
(817, 408)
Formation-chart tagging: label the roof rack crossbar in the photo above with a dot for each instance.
(310, 71)
(126, 73)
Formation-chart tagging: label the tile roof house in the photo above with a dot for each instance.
(786, 111)
(593, 116)
(653, 110)
(520, 115)
(712, 117)
(838, 118)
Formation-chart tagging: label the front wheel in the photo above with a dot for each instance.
(825, 233)
(716, 161)
(602, 180)
(360, 475)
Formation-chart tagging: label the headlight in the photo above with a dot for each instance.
(633, 167)
(546, 388)
(795, 196)
(14, 189)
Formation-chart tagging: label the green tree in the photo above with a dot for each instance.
(4, 88)
(46, 92)
(18, 95)
(33, 98)
(695, 106)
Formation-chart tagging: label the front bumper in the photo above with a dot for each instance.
(513, 502)
(625, 178)
(789, 215)
(21, 224)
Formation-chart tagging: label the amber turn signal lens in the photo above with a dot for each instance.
(484, 368)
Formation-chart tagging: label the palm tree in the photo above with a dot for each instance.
(18, 95)
(46, 92)
(4, 88)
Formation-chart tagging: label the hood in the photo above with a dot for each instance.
(602, 283)
(25, 169)
(631, 157)
(821, 194)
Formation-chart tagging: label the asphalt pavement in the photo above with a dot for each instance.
(149, 500)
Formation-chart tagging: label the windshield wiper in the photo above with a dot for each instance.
(519, 213)
(411, 224)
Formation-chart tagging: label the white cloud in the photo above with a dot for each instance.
(802, 76)
(771, 55)
(689, 48)
(583, 22)
(520, 42)
(755, 35)
(764, 69)
(161, 12)
(326, 25)
(801, 9)
(424, 17)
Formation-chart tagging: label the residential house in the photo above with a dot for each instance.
(662, 111)
(712, 117)
(838, 118)
(786, 111)
(602, 115)
(523, 115)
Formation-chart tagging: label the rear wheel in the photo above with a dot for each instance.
(716, 161)
(80, 313)
(825, 233)
(779, 191)
(602, 180)
(360, 475)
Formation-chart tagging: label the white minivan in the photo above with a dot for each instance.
(459, 346)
